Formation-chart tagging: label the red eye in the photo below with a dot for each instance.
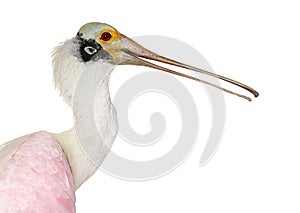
(106, 36)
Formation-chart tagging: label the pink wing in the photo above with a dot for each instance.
(36, 177)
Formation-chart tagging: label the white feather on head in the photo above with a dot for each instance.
(67, 69)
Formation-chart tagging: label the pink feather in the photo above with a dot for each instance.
(37, 178)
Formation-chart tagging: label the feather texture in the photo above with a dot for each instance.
(36, 176)
(84, 87)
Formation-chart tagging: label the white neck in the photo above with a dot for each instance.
(85, 88)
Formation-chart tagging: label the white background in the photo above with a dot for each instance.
(256, 168)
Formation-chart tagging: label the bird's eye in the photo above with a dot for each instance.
(106, 36)
(90, 50)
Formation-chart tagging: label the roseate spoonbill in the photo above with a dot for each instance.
(40, 172)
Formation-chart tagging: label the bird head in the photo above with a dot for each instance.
(98, 43)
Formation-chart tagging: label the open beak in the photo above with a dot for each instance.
(133, 54)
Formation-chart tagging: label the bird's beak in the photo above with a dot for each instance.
(132, 54)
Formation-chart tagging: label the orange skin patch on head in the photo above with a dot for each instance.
(112, 45)
(115, 35)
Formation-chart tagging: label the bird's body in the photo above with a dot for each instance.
(40, 172)
(83, 163)
(34, 167)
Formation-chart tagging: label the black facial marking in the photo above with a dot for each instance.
(87, 56)
(91, 50)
